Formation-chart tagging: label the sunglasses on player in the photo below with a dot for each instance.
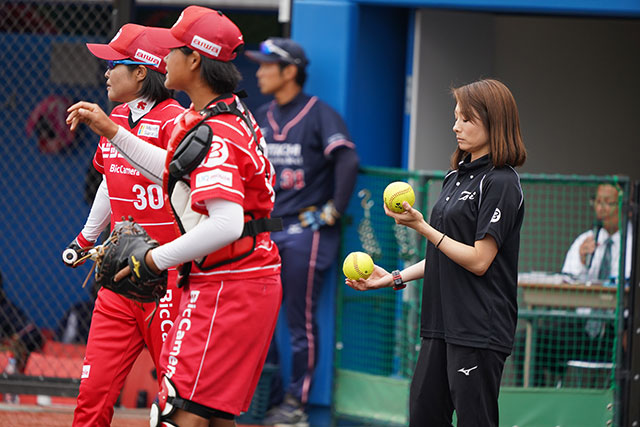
(112, 64)
(269, 48)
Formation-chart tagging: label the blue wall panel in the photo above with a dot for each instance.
(326, 29)
(379, 82)
(361, 84)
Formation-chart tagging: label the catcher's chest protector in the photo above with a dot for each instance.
(188, 146)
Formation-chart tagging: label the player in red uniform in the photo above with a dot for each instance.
(222, 201)
(120, 328)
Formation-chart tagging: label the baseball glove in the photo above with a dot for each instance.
(127, 245)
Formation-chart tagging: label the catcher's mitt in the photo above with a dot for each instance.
(127, 245)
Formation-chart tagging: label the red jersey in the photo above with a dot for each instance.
(130, 193)
(237, 170)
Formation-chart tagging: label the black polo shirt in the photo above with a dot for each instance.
(458, 306)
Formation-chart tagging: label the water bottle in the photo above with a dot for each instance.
(11, 369)
(12, 366)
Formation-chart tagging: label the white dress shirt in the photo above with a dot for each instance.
(574, 266)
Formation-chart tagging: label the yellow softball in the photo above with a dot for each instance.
(357, 265)
(396, 193)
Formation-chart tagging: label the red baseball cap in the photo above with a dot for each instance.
(204, 30)
(133, 42)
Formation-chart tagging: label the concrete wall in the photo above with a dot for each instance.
(575, 81)
(450, 48)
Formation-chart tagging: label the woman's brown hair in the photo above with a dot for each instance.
(492, 103)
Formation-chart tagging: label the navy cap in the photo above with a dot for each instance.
(277, 49)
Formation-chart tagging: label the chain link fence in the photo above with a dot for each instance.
(567, 339)
(48, 182)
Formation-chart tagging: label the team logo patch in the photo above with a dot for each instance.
(496, 215)
(206, 46)
(85, 371)
(148, 130)
(212, 177)
(467, 195)
(218, 154)
(145, 56)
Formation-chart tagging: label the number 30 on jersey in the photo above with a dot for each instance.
(151, 196)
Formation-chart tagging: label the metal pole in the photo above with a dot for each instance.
(284, 16)
(123, 13)
(631, 361)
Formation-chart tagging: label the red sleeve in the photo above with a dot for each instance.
(98, 161)
(218, 176)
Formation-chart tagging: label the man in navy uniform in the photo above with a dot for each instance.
(316, 168)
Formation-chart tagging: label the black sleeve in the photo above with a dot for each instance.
(500, 203)
(346, 165)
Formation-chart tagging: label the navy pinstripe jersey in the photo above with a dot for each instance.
(301, 137)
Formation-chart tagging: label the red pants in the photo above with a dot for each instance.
(119, 331)
(216, 350)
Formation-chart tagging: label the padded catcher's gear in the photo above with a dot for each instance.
(127, 245)
(169, 400)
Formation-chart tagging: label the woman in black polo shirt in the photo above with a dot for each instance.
(469, 308)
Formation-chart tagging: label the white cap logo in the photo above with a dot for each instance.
(116, 36)
(145, 56)
(206, 46)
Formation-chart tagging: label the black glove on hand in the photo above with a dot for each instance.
(127, 246)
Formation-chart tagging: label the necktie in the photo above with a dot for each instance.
(605, 265)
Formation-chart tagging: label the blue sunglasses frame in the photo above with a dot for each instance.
(111, 64)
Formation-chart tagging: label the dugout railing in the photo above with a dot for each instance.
(565, 368)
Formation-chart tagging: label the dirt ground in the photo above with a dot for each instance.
(61, 416)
